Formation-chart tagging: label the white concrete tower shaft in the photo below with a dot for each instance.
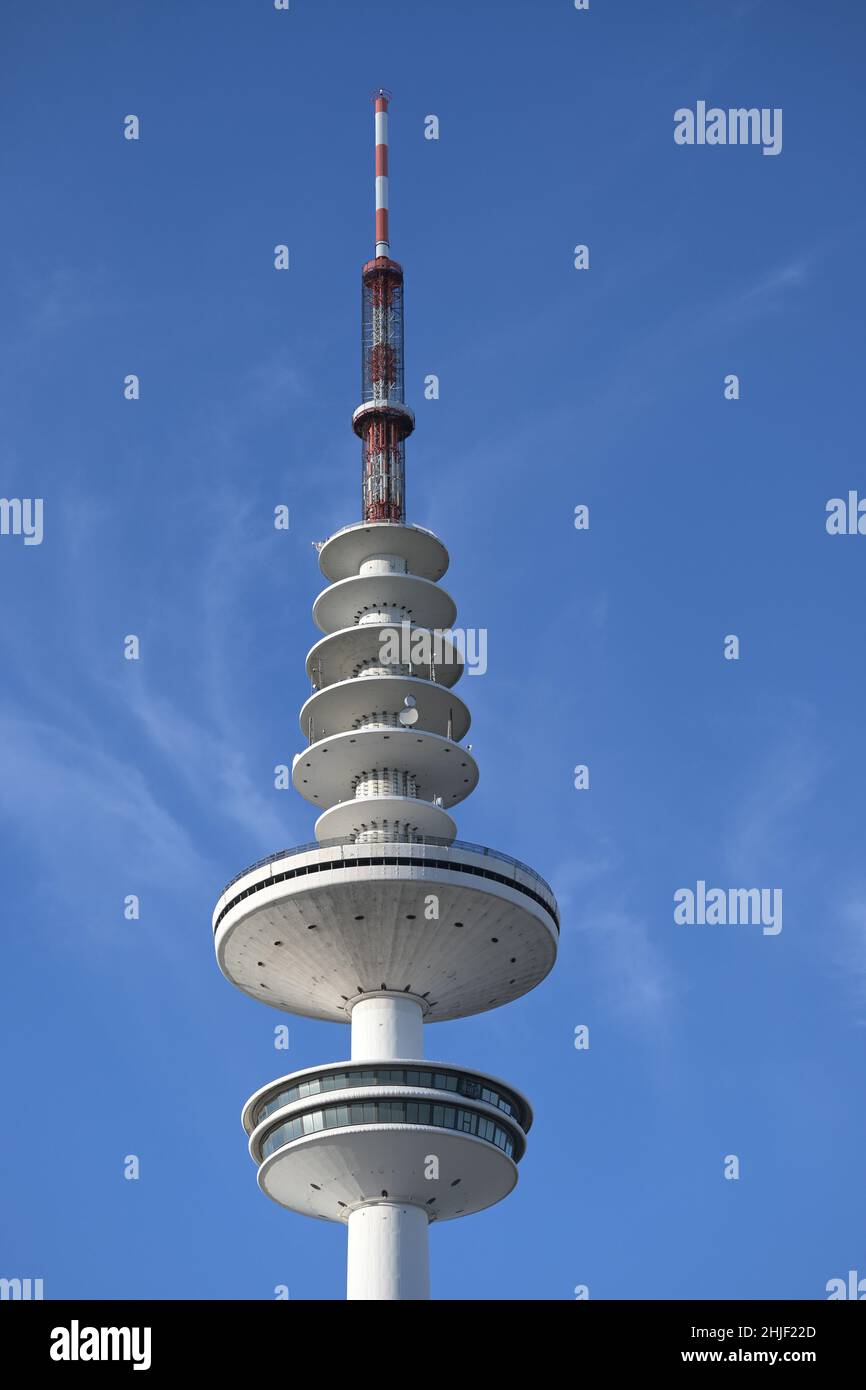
(388, 1252)
(388, 1242)
(387, 1027)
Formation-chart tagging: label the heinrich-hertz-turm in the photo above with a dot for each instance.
(387, 922)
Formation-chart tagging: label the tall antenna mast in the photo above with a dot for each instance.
(383, 247)
(382, 420)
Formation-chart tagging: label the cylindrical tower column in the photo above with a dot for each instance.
(388, 1252)
(387, 1028)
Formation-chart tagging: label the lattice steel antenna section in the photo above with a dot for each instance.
(382, 420)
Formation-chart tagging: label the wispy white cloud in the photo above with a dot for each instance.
(617, 391)
(212, 765)
(190, 707)
(632, 974)
(767, 814)
(73, 802)
(765, 294)
(637, 979)
(573, 876)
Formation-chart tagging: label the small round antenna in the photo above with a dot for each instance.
(409, 714)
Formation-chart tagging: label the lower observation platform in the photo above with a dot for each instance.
(330, 1174)
(332, 1139)
(458, 926)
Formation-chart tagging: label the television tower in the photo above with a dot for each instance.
(387, 922)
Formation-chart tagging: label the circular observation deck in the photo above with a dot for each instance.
(345, 655)
(325, 771)
(331, 1139)
(459, 926)
(404, 597)
(377, 817)
(335, 708)
(343, 554)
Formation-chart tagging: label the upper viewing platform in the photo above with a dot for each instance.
(343, 554)
(314, 929)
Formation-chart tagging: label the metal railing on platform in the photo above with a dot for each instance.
(367, 848)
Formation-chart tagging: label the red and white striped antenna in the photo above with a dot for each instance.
(381, 99)
(382, 421)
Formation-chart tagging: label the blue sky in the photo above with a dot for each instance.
(558, 387)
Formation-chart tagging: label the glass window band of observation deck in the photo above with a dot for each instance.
(369, 857)
(439, 1079)
(341, 843)
(396, 1112)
